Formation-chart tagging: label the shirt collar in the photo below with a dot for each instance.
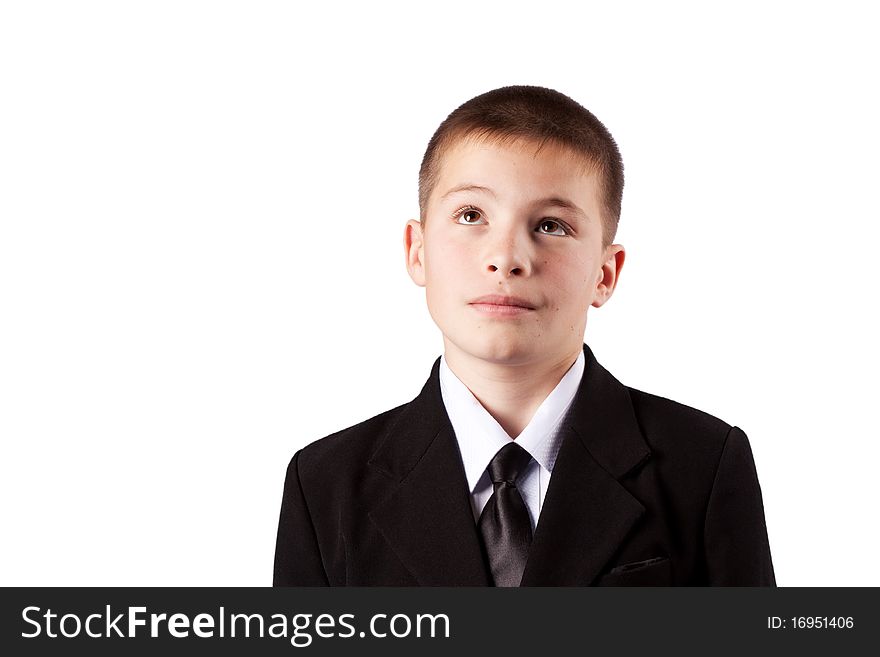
(480, 436)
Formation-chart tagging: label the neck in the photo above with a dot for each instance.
(510, 393)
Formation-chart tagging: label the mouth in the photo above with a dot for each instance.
(496, 304)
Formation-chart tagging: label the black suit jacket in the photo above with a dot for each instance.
(645, 492)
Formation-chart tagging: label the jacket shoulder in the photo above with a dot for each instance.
(656, 412)
(682, 437)
(709, 479)
(347, 447)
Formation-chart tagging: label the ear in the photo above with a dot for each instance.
(414, 245)
(609, 274)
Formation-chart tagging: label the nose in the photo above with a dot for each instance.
(509, 255)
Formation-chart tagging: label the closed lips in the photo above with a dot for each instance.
(500, 300)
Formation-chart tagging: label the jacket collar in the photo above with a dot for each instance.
(427, 518)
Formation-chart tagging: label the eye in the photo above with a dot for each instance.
(556, 227)
(469, 216)
(464, 212)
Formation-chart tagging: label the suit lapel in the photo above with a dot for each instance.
(587, 513)
(426, 517)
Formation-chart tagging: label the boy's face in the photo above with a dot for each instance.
(514, 239)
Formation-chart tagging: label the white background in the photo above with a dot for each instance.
(202, 268)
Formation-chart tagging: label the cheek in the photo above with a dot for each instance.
(446, 266)
(568, 280)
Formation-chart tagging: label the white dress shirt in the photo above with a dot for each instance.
(480, 437)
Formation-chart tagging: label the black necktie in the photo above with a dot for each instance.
(504, 522)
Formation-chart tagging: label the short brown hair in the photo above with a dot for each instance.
(525, 112)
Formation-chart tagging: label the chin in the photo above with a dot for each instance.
(495, 347)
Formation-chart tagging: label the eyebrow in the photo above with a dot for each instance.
(554, 201)
(467, 187)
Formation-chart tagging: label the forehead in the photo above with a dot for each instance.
(521, 170)
(542, 154)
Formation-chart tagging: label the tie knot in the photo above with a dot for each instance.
(508, 463)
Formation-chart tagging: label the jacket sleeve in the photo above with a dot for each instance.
(297, 556)
(737, 549)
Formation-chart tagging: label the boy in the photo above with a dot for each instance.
(523, 462)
